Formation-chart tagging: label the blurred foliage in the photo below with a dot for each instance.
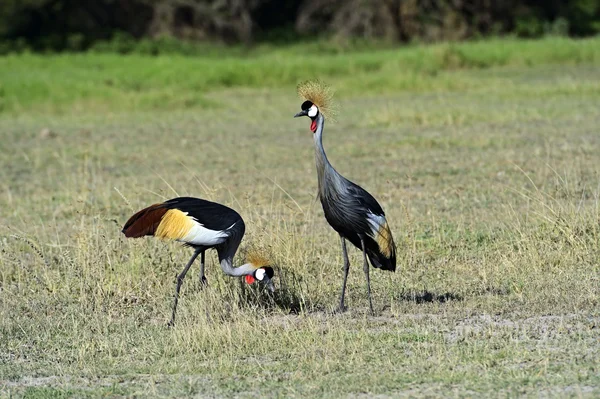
(142, 25)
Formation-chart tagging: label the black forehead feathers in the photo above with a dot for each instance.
(306, 105)
(269, 271)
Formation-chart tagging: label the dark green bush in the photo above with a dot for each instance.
(529, 26)
(177, 26)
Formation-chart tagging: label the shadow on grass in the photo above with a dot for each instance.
(430, 297)
(288, 296)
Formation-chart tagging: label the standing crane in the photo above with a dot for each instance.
(202, 225)
(349, 209)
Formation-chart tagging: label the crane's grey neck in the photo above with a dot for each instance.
(243, 270)
(226, 253)
(325, 172)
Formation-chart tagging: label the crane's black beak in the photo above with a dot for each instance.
(301, 113)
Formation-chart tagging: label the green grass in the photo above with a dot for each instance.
(108, 83)
(489, 177)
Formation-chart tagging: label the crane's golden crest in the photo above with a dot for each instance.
(319, 94)
(257, 258)
(174, 225)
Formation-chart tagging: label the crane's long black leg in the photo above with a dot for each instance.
(346, 270)
(203, 280)
(366, 269)
(179, 281)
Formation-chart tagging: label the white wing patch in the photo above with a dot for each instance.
(375, 221)
(381, 233)
(200, 235)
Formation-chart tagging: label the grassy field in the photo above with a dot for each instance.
(484, 156)
(62, 84)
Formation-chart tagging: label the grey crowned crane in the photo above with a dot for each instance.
(202, 225)
(349, 209)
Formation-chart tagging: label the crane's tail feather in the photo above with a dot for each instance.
(145, 222)
(380, 261)
(383, 253)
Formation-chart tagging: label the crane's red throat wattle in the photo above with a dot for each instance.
(250, 279)
(313, 126)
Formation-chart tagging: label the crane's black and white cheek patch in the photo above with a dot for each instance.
(260, 274)
(270, 272)
(313, 111)
(264, 273)
(306, 105)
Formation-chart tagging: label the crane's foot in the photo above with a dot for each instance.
(203, 282)
(171, 323)
(340, 309)
(371, 311)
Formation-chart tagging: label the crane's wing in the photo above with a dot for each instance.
(211, 215)
(382, 252)
(365, 199)
(191, 220)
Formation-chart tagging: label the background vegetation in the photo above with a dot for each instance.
(67, 83)
(484, 155)
(51, 25)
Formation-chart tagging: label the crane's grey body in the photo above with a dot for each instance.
(340, 198)
(354, 214)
